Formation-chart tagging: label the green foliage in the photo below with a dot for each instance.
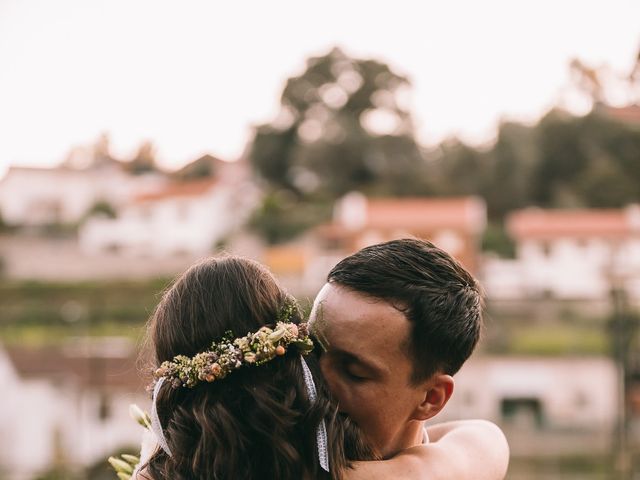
(328, 141)
(39, 335)
(203, 167)
(3, 224)
(558, 340)
(511, 162)
(59, 230)
(496, 240)
(58, 473)
(589, 161)
(144, 160)
(284, 215)
(102, 208)
(39, 312)
(563, 161)
(325, 144)
(104, 470)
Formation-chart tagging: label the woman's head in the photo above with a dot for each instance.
(258, 421)
(212, 297)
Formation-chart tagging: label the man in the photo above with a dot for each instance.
(396, 321)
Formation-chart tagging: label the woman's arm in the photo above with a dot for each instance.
(467, 449)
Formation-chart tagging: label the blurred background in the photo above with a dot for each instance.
(137, 137)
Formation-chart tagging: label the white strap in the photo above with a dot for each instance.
(321, 433)
(156, 427)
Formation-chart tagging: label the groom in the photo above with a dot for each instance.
(395, 321)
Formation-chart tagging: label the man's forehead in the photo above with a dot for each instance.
(336, 307)
(344, 319)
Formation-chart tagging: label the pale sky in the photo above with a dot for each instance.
(193, 76)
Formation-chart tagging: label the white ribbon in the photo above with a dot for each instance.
(156, 427)
(321, 432)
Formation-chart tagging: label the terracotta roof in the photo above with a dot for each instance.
(466, 213)
(538, 223)
(178, 189)
(630, 113)
(331, 230)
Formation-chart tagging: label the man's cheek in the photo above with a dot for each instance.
(356, 401)
(335, 386)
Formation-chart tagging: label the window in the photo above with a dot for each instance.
(104, 407)
(522, 413)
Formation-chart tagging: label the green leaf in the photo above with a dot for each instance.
(132, 459)
(120, 466)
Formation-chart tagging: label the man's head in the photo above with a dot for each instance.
(396, 319)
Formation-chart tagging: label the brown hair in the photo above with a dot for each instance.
(259, 421)
(437, 295)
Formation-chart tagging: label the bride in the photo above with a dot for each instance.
(238, 393)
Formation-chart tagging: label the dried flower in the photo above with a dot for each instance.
(120, 466)
(230, 354)
(139, 415)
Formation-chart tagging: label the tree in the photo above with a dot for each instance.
(342, 126)
(588, 161)
(144, 160)
(510, 165)
(95, 155)
(203, 167)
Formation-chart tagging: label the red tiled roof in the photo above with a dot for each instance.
(466, 213)
(537, 223)
(630, 113)
(178, 189)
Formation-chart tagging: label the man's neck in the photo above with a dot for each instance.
(413, 434)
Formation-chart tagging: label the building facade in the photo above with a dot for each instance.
(569, 254)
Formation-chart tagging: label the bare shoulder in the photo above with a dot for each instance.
(477, 449)
(464, 450)
(464, 428)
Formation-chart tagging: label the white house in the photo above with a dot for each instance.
(455, 224)
(41, 196)
(550, 406)
(67, 406)
(181, 217)
(568, 254)
(538, 392)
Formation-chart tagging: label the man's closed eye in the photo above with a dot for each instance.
(354, 375)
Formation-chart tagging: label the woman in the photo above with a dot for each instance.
(257, 420)
(233, 405)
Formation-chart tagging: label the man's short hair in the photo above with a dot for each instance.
(437, 295)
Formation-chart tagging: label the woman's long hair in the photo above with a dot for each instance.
(259, 421)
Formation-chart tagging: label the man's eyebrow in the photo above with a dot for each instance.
(352, 357)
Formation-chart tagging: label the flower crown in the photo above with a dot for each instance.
(229, 354)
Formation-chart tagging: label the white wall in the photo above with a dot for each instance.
(577, 393)
(172, 225)
(565, 268)
(40, 418)
(40, 196)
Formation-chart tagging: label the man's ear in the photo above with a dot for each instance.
(437, 392)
